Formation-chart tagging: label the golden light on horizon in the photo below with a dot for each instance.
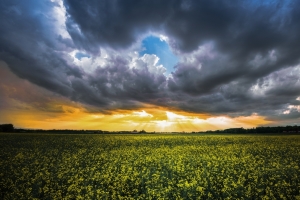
(154, 119)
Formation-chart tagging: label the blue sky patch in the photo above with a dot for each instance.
(80, 55)
(154, 45)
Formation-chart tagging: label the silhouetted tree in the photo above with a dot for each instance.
(6, 128)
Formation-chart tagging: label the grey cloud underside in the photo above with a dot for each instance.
(237, 57)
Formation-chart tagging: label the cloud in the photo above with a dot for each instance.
(19, 95)
(142, 114)
(235, 58)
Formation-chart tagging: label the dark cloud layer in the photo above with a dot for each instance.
(236, 57)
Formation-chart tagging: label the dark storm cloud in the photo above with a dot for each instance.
(243, 27)
(117, 81)
(115, 23)
(27, 46)
(236, 57)
(118, 23)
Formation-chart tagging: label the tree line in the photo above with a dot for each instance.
(10, 128)
(261, 130)
(258, 130)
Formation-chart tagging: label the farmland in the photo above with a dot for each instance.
(53, 166)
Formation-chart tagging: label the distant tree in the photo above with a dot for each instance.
(6, 128)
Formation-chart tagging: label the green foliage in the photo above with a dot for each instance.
(40, 166)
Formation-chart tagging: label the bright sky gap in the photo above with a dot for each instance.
(160, 48)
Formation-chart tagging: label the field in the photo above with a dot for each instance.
(40, 166)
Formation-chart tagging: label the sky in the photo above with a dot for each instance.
(176, 65)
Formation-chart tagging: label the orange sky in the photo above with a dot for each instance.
(28, 106)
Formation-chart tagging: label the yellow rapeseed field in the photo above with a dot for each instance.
(41, 166)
